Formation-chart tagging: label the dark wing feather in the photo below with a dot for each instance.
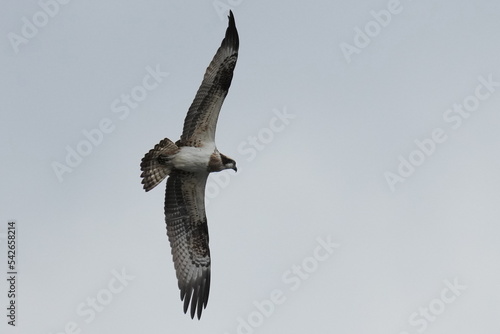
(201, 119)
(187, 232)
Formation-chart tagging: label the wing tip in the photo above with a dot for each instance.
(196, 294)
(231, 32)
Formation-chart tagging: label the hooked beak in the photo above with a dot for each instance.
(235, 169)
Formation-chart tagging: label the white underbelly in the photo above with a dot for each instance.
(193, 159)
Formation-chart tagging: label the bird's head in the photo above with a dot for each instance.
(228, 163)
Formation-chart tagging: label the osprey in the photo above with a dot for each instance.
(188, 163)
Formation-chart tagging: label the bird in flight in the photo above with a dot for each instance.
(188, 163)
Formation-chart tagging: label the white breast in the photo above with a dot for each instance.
(193, 159)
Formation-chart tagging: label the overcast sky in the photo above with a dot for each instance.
(366, 135)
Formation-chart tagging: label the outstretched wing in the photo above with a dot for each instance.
(187, 232)
(201, 119)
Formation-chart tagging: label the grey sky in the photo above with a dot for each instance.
(309, 235)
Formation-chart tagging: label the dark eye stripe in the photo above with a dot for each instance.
(225, 160)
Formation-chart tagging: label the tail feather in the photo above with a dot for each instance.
(155, 165)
